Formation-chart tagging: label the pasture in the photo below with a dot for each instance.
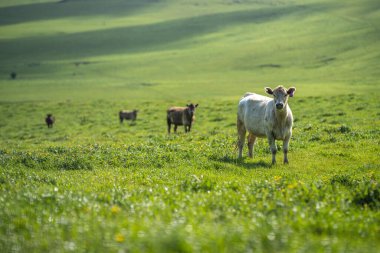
(91, 184)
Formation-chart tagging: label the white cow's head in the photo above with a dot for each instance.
(281, 95)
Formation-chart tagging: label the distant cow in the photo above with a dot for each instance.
(181, 116)
(265, 117)
(126, 115)
(13, 75)
(49, 120)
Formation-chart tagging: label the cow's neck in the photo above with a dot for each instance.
(280, 115)
(188, 112)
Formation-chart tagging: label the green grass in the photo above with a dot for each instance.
(91, 184)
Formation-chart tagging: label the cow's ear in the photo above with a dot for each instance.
(269, 90)
(291, 91)
(196, 105)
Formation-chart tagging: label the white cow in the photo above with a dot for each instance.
(265, 117)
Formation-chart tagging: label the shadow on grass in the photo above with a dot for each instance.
(246, 162)
(70, 9)
(138, 38)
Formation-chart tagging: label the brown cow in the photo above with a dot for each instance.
(13, 75)
(125, 115)
(181, 116)
(49, 120)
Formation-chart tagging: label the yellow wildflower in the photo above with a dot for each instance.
(119, 238)
(115, 209)
(292, 185)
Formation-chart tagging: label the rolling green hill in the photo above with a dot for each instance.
(92, 184)
(141, 49)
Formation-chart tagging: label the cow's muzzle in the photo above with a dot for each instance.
(279, 106)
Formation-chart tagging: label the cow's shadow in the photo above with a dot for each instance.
(245, 162)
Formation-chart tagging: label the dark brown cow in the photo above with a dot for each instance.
(49, 120)
(126, 115)
(13, 75)
(181, 116)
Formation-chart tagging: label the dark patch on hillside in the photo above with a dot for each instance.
(148, 84)
(34, 64)
(130, 86)
(270, 66)
(138, 38)
(68, 9)
(323, 61)
(328, 60)
(78, 63)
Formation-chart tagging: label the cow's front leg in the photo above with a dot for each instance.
(273, 148)
(251, 142)
(286, 148)
(175, 128)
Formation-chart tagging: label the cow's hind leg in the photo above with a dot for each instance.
(251, 142)
(241, 136)
(169, 125)
(175, 128)
(286, 148)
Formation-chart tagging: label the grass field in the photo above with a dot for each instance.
(91, 184)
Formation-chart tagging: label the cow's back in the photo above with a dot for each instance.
(252, 111)
(175, 115)
(128, 114)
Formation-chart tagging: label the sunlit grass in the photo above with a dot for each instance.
(96, 184)
(91, 184)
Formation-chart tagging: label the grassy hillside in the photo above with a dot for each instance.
(220, 48)
(91, 184)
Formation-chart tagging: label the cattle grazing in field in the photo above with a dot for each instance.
(49, 120)
(181, 116)
(262, 116)
(127, 115)
(13, 75)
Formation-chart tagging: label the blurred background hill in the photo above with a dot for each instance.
(181, 49)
